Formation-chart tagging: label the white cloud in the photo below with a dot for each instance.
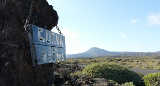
(154, 19)
(134, 21)
(123, 35)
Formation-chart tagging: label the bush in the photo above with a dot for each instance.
(112, 72)
(128, 84)
(152, 79)
(112, 83)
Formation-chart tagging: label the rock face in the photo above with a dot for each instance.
(16, 67)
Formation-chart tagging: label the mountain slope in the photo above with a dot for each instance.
(97, 52)
(93, 52)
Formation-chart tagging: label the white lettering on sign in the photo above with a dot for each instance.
(48, 47)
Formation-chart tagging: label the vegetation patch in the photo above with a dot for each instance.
(130, 62)
(152, 79)
(128, 84)
(112, 72)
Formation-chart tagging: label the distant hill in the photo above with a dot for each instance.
(97, 52)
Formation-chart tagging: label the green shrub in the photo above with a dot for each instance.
(112, 72)
(112, 83)
(128, 84)
(78, 73)
(152, 79)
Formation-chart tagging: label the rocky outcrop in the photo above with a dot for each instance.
(16, 67)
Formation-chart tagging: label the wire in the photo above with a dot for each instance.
(27, 22)
(58, 30)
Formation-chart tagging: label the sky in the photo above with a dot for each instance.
(114, 25)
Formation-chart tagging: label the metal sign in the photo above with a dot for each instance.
(46, 46)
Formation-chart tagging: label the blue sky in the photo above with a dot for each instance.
(114, 25)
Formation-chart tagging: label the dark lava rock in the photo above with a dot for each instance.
(16, 68)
